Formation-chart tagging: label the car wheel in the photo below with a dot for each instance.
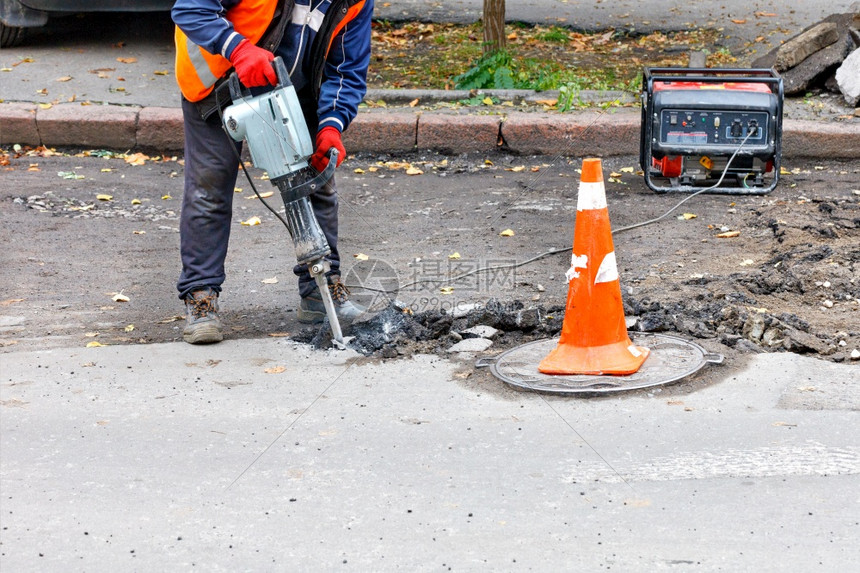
(10, 35)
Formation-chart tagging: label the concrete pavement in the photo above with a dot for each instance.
(263, 455)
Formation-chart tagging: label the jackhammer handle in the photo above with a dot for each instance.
(238, 91)
(312, 185)
(332, 157)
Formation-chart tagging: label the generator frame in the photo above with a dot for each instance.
(712, 92)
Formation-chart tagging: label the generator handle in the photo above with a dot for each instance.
(714, 75)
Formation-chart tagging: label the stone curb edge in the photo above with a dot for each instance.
(614, 132)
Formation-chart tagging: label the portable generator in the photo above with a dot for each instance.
(716, 127)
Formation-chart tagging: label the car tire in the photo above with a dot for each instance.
(10, 35)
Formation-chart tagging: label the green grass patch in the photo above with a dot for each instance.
(449, 56)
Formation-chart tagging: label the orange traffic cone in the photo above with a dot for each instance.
(594, 335)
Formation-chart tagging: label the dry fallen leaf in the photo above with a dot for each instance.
(103, 197)
(279, 334)
(414, 171)
(252, 221)
(64, 79)
(738, 21)
(9, 301)
(507, 233)
(360, 257)
(265, 195)
(129, 328)
(688, 216)
(413, 103)
(729, 235)
(275, 370)
(446, 290)
(127, 60)
(271, 281)
(454, 256)
(94, 344)
(136, 159)
(161, 72)
(397, 165)
(119, 297)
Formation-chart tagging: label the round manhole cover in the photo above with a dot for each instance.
(670, 360)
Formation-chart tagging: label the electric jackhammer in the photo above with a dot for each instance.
(274, 127)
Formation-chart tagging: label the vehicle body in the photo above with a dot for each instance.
(18, 15)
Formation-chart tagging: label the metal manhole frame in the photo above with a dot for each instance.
(659, 344)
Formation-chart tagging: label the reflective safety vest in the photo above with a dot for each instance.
(197, 70)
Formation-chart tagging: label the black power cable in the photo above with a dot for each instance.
(566, 249)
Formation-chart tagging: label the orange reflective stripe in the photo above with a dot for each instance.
(197, 70)
(350, 16)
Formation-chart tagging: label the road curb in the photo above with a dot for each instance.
(612, 132)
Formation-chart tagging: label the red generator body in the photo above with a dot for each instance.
(711, 127)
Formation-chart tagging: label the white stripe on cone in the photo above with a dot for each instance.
(576, 262)
(608, 270)
(591, 196)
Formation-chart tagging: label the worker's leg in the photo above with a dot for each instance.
(211, 166)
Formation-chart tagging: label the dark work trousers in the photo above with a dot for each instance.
(211, 167)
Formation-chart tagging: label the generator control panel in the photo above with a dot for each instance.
(697, 127)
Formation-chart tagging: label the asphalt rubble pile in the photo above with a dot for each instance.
(396, 330)
(725, 318)
(825, 55)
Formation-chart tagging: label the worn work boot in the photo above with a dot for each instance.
(312, 309)
(202, 325)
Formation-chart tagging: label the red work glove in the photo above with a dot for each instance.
(253, 65)
(327, 138)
